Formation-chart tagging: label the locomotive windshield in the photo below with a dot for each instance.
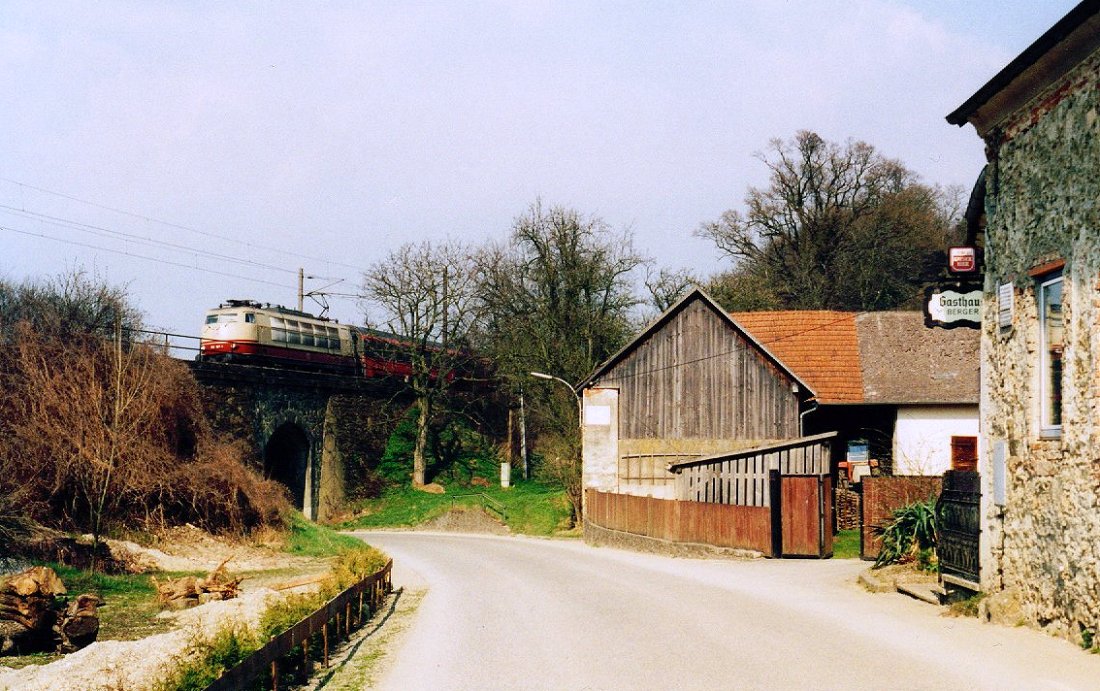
(221, 318)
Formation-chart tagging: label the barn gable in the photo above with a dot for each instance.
(693, 383)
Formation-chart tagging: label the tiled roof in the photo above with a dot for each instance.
(871, 357)
(904, 361)
(820, 346)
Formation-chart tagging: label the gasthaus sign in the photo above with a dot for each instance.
(948, 309)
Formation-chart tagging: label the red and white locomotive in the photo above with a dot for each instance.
(246, 331)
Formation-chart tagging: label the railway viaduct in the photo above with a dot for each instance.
(314, 432)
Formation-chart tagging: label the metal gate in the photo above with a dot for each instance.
(959, 528)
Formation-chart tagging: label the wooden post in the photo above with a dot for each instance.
(821, 517)
(775, 487)
(360, 608)
(324, 644)
(274, 675)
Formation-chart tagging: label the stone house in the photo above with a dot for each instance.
(911, 392)
(1040, 516)
(692, 384)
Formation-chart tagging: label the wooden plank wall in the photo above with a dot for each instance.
(697, 377)
(721, 525)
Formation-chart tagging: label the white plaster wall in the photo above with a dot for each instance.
(600, 445)
(922, 437)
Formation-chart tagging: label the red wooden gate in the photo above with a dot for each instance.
(806, 516)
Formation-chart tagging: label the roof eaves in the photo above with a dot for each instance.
(1031, 55)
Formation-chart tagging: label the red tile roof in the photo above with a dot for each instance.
(820, 346)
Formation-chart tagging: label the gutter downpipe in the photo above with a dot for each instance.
(802, 417)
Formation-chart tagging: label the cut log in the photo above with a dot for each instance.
(79, 623)
(189, 591)
(30, 604)
(178, 594)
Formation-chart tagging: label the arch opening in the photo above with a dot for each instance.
(286, 458)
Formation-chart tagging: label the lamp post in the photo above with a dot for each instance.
(579, 511)
(580, 403)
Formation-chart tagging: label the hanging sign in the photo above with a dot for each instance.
(962, 260)
(948, 309)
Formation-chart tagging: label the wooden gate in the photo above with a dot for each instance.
(959, 528)
(790, 478)
(805, 516)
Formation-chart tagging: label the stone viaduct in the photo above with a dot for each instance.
(314, 432)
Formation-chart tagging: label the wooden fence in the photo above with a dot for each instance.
(774, 499)
(336, 619)
(720, 525)
(742, 478)
(881, 496)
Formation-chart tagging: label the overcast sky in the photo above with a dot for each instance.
(324, 135)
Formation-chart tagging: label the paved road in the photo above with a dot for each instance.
(515, 613)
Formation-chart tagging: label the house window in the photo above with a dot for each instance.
(1050, 354)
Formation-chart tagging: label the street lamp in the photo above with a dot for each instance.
(580, 404)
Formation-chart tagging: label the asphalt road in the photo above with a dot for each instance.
(516, 613)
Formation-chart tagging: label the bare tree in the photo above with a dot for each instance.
(838, 227)
(558, 298)
(667, 286)
(425, 294)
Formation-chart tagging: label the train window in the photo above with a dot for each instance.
(278, 331)
(224, 318)
(250, 317)
(293, 335)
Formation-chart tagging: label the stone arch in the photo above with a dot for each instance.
(286, 458)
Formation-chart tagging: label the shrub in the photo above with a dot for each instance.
(99, 431)
(910, 535)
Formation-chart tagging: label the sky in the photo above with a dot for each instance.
(193, 152)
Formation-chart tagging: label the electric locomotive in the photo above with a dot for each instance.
(246, 331)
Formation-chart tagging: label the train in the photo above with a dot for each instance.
(244, 331)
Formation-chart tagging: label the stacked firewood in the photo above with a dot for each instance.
(35, 616)
(189, 591)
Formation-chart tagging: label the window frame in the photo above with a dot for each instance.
(1047, 428)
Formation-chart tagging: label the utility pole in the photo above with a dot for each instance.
(301, 289)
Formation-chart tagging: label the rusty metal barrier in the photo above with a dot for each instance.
(333, 621)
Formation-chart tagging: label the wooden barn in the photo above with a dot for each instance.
(691, 385)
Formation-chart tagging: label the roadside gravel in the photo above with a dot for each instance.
(133, 665)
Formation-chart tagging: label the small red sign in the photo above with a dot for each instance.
(962, 260)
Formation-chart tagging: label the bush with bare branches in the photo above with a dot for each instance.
(99, 431)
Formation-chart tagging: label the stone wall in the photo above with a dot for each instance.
(346, 433)
(1041, 549)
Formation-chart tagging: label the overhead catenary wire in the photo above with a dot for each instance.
(177, 226)
(142, 256)
(102, 231)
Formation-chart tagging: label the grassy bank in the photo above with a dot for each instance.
(846, 544)
(531, 508)
(308, 539)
